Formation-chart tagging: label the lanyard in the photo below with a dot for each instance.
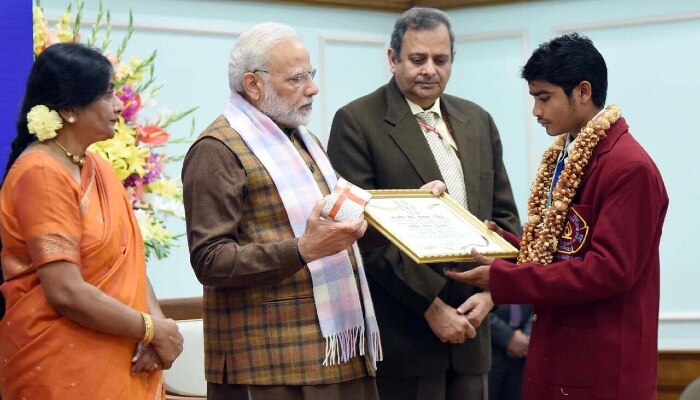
(431, 128)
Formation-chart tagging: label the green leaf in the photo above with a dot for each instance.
(96, 27)
(174, 117)
(78, 18)
(129, 32)
(108, 33)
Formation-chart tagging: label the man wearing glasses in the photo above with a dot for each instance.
(287, 313)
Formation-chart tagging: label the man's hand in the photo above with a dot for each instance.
(478, 276)
(448, 324)
(437, 187)
(476, 308)
(517, 347)
(494, 227)
(324, 237)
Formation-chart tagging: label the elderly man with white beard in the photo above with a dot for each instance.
(287, 312)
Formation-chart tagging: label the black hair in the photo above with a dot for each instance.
(419, 19)
(63, 76)
(566, 61)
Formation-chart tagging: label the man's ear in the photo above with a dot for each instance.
(392, 60)
(253, 87)
(585, 92)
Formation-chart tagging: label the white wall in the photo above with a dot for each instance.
(651, 49)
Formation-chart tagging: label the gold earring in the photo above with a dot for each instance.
(71, 119)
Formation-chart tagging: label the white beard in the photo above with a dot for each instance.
(277, 108)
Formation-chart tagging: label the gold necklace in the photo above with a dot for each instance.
(75, 159)
(544, 224)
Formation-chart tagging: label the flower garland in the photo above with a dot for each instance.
(545, 224)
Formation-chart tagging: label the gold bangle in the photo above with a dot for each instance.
(148, 323)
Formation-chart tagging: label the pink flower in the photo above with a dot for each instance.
(51, 38)
(112, 59)
(152, 134)
(131, 101)
(135, 192)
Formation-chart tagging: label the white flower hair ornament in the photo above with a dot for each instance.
(43, 122)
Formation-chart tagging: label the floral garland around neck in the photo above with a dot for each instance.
(545, 224)
(43, 122)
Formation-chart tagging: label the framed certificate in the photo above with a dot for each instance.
(431, 228)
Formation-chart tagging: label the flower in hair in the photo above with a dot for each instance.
(43, 122)
(136, 151)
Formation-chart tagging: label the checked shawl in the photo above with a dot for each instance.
(340, 312)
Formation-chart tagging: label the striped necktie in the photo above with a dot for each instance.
(446, 158)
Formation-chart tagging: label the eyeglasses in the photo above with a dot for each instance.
(297, 79)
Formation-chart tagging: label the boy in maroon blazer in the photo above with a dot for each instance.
(589, 256)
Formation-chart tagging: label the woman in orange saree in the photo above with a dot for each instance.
(79, 303)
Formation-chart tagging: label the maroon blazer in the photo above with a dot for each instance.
(594, 334)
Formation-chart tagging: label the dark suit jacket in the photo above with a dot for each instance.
(595, 327)
(376, 143)
(499, 320)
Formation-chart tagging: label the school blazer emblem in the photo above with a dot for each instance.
(575, 233)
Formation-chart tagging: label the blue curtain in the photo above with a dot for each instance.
(16, 58)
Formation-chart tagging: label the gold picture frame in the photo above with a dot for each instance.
(432, 229)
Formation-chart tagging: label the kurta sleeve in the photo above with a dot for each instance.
(46, 203)
(214, 186)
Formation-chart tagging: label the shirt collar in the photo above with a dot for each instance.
(568, 146)
(415, 108)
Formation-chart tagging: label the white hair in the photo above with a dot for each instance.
(252, 50)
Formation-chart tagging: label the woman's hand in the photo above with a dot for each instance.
(145, 360)
(167, 341)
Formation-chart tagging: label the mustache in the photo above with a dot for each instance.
(308, 102)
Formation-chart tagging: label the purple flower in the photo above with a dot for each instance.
(131, 101)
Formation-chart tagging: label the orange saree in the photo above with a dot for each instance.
(46, 216)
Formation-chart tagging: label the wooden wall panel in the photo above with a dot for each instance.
(400, 5)
(451, 4)
(380, 5)
(677, 368)
(183, 308)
